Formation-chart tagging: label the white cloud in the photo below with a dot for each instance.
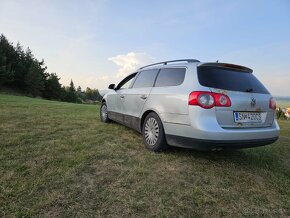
(104, 78)
(126, 63)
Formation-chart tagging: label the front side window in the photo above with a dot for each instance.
(170, 77)
(146, 78)
(127, 84)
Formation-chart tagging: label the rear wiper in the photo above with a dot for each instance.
(249, 90)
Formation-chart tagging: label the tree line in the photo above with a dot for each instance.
(22, 72)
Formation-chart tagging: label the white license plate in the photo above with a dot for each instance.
(249, 117)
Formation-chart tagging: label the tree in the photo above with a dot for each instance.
(79, 89)
(72, 87)
(7, 57)
(52, 88)
(81, 96)
(71, 93)
(63, 94)
(93, 94)
(34, 80)
(88, 93)
(96, 95)
(21, 68)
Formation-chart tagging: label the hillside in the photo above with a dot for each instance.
(58, 159)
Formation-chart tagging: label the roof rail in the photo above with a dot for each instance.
(166, 62)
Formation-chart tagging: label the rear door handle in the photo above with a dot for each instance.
(143, 97)
(122, 96)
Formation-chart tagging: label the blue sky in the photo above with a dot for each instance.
(96, 42)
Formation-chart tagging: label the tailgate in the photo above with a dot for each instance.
(244, 110)
(249, 98)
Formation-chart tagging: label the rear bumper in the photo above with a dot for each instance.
(210, 130)
(203, 144)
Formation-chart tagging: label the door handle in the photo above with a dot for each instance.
(143, 97)
(122, 96)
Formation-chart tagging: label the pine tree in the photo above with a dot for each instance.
(71, 93)
(20, 69)
(52, 88)
(88, 93)
(79, 89)
(80, 95)
(34, 80)
(7, 56)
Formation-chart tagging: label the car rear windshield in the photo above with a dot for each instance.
(229, 79)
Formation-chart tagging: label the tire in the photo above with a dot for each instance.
(104, 113)
(153, 133)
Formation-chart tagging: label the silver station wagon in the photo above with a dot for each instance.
(187, 103)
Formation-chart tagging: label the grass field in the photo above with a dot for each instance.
(283, 104)
(58, 159)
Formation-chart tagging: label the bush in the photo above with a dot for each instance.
(280, 114)
(79, 101)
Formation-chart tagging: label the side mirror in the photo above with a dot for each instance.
(111, 86)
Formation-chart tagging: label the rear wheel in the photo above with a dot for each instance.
(104, 113)
(153, 133)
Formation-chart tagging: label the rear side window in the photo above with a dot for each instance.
(229, 79)
(170, 77)
(146, 78)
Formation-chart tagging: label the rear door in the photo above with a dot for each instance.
(136, 96)
(249, 98)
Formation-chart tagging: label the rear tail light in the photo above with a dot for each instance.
(209, 99)
(272, 103)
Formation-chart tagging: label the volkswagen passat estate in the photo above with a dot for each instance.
(187, 103)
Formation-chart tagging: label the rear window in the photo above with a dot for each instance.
(146, 78)
(170, 77)
(229, 79)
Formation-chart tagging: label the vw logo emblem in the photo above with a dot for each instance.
(253, 102)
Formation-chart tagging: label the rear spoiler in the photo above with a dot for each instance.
(226, 65)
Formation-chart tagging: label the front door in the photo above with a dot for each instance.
(136, 96)
(125, 84)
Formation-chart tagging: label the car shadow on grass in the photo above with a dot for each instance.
(260, 157)
(274, 157)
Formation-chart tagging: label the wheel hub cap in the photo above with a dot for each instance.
(104, 112)
(151, 131)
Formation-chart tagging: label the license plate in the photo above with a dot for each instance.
(249, 117)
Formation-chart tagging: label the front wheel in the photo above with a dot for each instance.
(104, 113)
(153, 133)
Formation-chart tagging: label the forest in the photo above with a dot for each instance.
(23, 73)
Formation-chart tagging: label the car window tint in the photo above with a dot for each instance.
(229, 79)
(170, 77)
(146, 78)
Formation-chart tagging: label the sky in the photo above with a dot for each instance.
(98, 42)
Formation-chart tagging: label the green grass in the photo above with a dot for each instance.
(58, 159)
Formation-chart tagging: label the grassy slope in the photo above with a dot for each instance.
(283, 104)
(58, 159)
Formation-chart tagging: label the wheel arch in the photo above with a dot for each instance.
(144, 115)
(162, 144)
